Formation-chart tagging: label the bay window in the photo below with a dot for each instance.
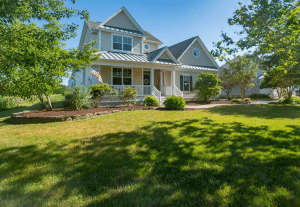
(122, 43)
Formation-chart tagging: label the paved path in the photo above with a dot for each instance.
(208, 106)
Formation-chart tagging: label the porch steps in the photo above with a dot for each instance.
(162, 99)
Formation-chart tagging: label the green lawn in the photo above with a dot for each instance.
(225, 156)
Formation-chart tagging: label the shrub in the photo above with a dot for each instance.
(112, 93)
(292, 100)
(258, 96)
(175, 103)
(128, 95)
(236, 100)
(68, 97)
(246, 99)
(98, 91)
(79, 98)
(151, 101)
(209, 86)
(230, 98)
(62, 89)
(8, 102)
(67, 104)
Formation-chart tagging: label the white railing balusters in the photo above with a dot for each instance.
(156, 94)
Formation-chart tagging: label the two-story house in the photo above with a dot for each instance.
(133, 57)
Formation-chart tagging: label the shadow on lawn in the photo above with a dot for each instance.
(262, 111)
(163, 169)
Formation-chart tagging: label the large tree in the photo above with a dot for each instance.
(271, 28)
(242, 70)
(227, 81)
(33, 60)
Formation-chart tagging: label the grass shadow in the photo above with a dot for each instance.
(186, 163)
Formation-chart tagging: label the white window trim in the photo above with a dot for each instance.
(112, 77)
(112, 43)
(148, 46)
(198, 50)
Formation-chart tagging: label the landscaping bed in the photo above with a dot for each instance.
(67, 114)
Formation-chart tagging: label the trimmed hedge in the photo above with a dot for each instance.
(257, 96)
(151, 101)
(293, 100)
(175, 103)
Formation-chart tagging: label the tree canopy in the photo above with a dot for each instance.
(33, 60)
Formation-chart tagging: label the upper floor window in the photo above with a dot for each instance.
(196, 52)
(122, 43)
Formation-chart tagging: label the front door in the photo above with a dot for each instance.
(146, 82)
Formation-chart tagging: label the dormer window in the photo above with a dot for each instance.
(122, 43)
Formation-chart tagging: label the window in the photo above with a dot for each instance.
(122, 43)
(122, 76)
(196, 52)
(146, 46)
(186, 83)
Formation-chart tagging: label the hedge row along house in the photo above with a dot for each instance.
(133, 57)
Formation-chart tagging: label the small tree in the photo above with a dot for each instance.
(227, 82)
(79, 98)
(98, 91)
(243, 70)
(128, 95)
(209, 86)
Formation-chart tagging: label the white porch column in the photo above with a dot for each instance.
(173, 82)
(161, 80)
(151, 81)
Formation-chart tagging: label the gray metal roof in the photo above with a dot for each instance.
(152, 55)
(131, 58)
(180, 47)
(119, 29)
(106, 55)
(198, 67)
(93, 24)
(150, 37)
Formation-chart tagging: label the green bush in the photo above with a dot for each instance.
(128, 95)
(8, 102)
(175, 103)
(68, 97)
(62, 89)
(112, 93)
(151, 101)
(230, 98)
(292, 100)
(79, 98)
(67, 104)
(259, 96)
(236, 100)
(98, 91)
(208, 85)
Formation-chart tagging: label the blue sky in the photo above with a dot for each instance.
(169, 21)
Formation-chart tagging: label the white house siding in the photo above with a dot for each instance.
(95, 37)
(106, 74)
(164, 56)
(121, 20)
(189, 59)
(137, 76)
(137, 45)
(105, 41)
(152, 47)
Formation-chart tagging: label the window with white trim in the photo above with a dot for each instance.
(122, 76)
(196, 52)
(122, 43)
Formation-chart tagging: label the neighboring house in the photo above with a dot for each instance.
(132, 57)
(255, 89)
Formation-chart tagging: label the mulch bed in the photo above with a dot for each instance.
(71, 112)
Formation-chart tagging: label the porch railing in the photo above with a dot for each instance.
(178, 92)
(142, 90)
(156, 93)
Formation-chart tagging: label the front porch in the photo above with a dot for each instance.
(159, 83)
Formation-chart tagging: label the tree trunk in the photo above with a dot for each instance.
(49, 107)
(42, 101)
(242, 92)
(227, 94)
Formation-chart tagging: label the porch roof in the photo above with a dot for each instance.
(107, 55)
(196, 67)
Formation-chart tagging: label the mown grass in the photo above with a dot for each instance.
(225, 156)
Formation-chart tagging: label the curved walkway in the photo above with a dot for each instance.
(208, 106)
